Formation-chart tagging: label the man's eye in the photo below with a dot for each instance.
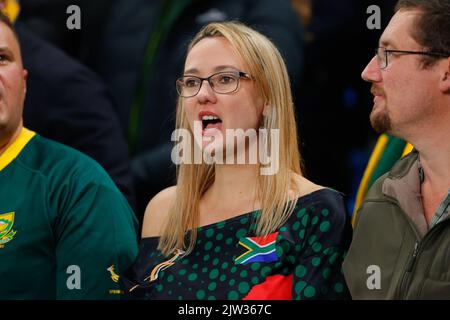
(191, 82)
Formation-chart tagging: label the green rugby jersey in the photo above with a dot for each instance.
(66, 231)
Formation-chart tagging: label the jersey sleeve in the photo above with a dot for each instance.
(136, 281)
(322, 237)
(95, 241)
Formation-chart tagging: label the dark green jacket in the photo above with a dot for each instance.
(393, 241)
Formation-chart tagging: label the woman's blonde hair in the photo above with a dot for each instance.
(266, 65)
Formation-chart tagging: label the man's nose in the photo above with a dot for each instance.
(372, 72)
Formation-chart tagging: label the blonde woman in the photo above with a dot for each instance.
(239, 231)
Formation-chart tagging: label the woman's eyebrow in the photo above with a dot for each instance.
(192, 70)
(216, 69)
(223, 67)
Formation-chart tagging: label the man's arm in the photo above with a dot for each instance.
(96, 241)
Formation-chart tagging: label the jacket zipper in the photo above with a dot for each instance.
(406, 276)
(419, 244)
(413, 258)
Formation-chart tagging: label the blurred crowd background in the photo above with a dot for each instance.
(108, 90)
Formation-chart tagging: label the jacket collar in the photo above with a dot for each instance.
(403, 184)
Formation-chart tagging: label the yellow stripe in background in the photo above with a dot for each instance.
(12, 9)
(408, 148)
(373, 161)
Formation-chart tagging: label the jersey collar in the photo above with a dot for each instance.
(16, 147)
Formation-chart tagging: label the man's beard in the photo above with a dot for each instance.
(381, 122)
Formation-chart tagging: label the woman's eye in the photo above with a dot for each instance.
(226, 79)
(191, 82)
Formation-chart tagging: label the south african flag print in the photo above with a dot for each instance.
(259, 249)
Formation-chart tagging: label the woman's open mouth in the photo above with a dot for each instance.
(210, 123)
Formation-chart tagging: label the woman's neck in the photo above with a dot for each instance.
(233, 192)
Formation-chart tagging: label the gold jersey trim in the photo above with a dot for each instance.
(16, 147)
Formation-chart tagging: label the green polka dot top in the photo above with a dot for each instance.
(302, 260)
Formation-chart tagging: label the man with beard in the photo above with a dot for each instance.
(400, 247)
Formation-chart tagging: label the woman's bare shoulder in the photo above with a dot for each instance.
(157, 211)
(303, 186)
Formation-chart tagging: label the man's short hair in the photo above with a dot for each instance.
(7, 21)
(432, 28)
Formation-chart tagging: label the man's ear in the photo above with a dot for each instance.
(25, 78)
(444, 84)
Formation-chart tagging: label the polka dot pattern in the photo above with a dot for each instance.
(306, 250)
